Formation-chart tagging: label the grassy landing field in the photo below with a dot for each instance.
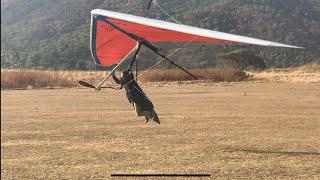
(230, 130)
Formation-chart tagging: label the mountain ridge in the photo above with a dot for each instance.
(55, 34)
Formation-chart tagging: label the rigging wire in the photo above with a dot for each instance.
(173, 51)
(170, 54)
(157, 4)
(165, 12)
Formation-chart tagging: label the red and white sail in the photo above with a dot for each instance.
(109, 45)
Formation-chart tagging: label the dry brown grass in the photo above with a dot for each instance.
(13, 79)
(307, 73)
(313, 67)
(229, 130)
(213, 75)
(21, 79)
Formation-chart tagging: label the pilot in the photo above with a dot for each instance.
(141, 103)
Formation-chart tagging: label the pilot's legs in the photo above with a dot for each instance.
(137, 109)
(147, 114)
(155, 117)
(151, 115)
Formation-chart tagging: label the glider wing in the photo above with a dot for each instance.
(114, 35)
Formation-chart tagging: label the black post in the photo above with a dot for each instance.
(135, 56)
(137, 71)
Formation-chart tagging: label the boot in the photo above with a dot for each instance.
(155, 117)
(146, 119)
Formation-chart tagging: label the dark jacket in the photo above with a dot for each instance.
(133, 91)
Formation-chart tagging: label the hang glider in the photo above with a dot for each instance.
(115, 35)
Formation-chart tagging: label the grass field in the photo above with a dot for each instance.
(230, 130)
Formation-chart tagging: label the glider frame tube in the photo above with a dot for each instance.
(93, 37)
(135, 56)
(104, 80)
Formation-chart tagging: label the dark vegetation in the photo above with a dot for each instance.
(55, 34)
(241, 59)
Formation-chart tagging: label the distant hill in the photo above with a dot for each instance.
(55, 34)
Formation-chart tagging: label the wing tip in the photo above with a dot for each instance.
(285, 46)
(294, 47)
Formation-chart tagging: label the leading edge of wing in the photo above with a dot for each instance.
(189, 29)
